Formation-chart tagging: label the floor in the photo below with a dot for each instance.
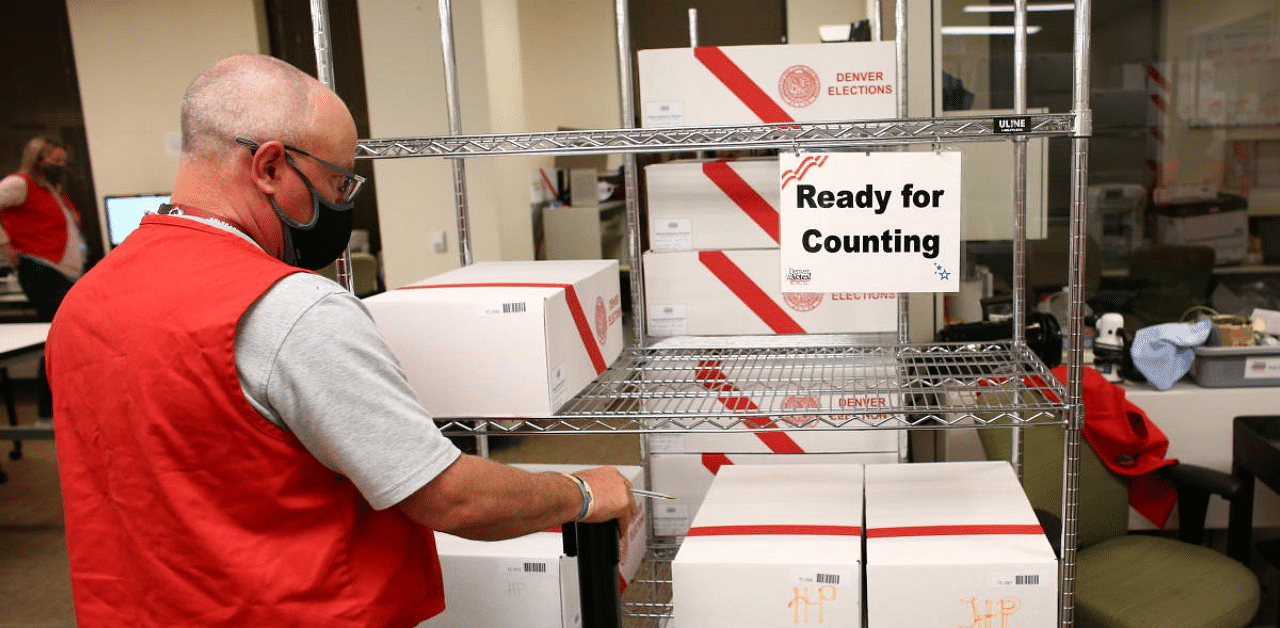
(34, 581)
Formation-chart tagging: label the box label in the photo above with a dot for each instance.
(664, 113)
(530, 567)
(1002, 579)
(870, 222)
(501, 308)
(1262, 368)
(666, 443)
(669, 319)
(814, 593)
(672, 235)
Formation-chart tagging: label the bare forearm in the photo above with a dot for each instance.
(480, 499)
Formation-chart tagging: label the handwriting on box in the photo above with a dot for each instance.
(986, 612)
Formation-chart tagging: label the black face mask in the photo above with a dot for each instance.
(54, 173)
(317, 244)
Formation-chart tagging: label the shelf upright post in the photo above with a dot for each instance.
(873, 18)
(900, 47)
(459, 165)
(626, 93)
(1019, 209)
(1075, 320)
(324, 73)
(453, 99)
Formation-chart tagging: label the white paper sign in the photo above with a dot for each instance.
(870, 222)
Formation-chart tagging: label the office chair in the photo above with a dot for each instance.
(364, 274)
(1132, 580)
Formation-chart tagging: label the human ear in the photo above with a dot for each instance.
(267, 163)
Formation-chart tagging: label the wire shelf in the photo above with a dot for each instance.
(798, 135)
(749, 387)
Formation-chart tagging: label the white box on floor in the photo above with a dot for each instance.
(773, 546)
(954, 543)
(713, 205)
(526, 581)
(688, 476)
(740, 292)
(765, 84)
(497, 339)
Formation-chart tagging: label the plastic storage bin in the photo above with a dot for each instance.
(1217, 367)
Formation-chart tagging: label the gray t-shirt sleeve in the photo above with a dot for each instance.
(312, 362)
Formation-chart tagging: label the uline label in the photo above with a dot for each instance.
(1014, 124)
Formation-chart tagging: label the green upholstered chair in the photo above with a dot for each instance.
(1128, 580)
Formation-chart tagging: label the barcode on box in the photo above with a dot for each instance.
(535, 567)
(828, 578)
(513, 308)
(1029, 580)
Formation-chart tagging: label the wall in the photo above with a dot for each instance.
(805, 16)
(134, 61)
(404, 74)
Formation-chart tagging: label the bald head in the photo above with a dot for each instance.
(255, 96)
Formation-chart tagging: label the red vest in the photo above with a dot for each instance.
(38, 227)
(184, 507)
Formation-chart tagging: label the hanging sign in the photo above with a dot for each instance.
(870, 222)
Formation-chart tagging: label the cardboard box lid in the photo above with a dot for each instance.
(782, 514)
(950, 513)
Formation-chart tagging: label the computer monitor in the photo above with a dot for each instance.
(124, 212)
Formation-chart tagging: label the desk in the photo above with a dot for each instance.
(1256, 454)
(1198, 422)
(18, 341)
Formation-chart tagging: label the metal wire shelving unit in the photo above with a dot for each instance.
(812, 382)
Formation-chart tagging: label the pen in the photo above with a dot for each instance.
(653, 494)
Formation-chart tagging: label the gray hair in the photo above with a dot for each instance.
(255, 96)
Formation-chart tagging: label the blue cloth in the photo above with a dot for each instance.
(1163, 353)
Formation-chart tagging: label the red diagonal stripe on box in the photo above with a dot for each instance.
(732, 76)
(748, 292)
(881, 533)
(713, 462)
(785, 530)
(575, 310)
(712, 378)
(743, 195)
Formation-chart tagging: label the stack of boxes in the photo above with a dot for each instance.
(946, 544)
(714, 269)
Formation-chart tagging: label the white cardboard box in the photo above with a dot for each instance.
(1227, 232)
(688, 476)
(766, 84)
(740, 292)
(526, 581)
(504, 339)
(954, 543)
(713, 205)
(773, 546)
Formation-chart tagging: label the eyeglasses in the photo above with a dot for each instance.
(351, 184)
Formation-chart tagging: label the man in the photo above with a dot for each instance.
(237, 446)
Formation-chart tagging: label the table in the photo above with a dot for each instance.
(1255, 455)
(1198, 422)
(19, 341)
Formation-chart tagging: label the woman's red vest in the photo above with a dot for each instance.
(38, 227)
(184, 506)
